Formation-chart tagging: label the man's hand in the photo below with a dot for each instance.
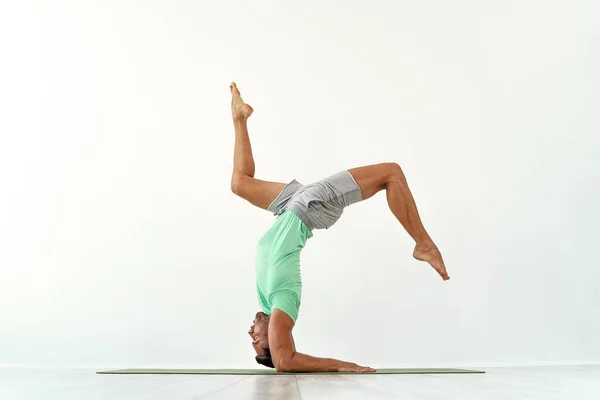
(351, 367)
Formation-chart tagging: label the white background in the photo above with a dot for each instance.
(122, 245)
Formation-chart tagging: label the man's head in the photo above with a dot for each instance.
(259, 332)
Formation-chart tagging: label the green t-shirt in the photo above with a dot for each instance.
(278, 280)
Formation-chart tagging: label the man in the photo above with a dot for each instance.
(300, 209)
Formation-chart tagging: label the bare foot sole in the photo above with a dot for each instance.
(239, 110)
(432, 255)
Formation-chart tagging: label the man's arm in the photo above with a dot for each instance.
(287, 359)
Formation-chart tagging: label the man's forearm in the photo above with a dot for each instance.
(304, 363)
(287, 359)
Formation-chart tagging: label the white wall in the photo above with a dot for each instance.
(121, 244)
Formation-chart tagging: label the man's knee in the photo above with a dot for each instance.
(395, 172)
(237, 184)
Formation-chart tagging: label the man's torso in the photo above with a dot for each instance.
(278, 278)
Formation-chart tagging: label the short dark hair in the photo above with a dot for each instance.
(265, 360)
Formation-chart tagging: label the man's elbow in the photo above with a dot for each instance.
(280, 368)
(284, 365)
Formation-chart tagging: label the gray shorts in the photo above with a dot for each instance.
(319, 205)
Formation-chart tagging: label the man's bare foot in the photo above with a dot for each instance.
(430, 253)
(239, 110)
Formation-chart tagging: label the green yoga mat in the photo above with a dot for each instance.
(273, 372)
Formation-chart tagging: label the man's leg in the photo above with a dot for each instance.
(259, 193)
(389, 176)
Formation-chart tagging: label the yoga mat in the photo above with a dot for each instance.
(273, 372)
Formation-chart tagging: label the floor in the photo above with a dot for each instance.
(571, 383)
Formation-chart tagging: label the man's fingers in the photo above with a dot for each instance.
(351, 367)
(364, 369)
(357, 370)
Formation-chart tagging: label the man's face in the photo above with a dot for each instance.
(259, 333)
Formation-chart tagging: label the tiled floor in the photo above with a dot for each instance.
(570, 383)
